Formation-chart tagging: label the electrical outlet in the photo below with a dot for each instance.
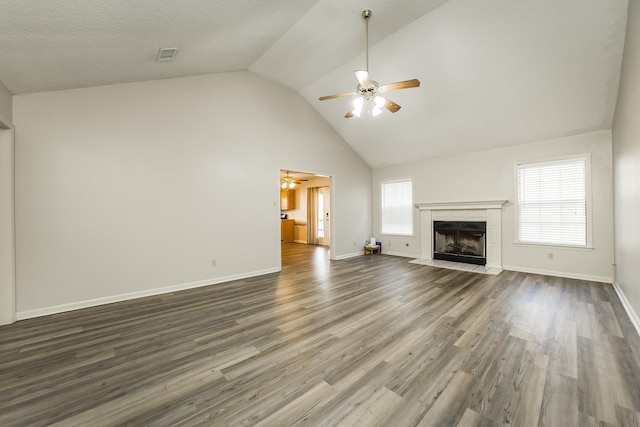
(213, 263)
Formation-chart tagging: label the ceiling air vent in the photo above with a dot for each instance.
(166, 54)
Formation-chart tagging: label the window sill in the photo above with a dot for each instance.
(397, 235)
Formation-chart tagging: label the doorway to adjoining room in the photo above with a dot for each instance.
(305, 209)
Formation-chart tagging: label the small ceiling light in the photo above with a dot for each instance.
(287, 181)
(166, 54)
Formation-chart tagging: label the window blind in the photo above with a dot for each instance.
(397, 207)
(552, 202)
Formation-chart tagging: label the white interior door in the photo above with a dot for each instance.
(322, 219)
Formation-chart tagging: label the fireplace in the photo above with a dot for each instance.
(460, 241)
(488, 211)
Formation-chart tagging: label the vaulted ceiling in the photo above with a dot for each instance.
(494, 73)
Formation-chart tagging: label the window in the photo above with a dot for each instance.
(397, 207)
(553, 202)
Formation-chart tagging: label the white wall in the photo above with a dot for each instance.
(134, 189)
(626, 166)
(489, 175)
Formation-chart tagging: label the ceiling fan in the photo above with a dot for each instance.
(290, 182)
(369, 93)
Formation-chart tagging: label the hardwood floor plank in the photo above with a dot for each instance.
(424, 387)
(448, 409)
(297, 411)
(471, 418)
(492, 393)
(525, 397)
(627, 417)
(600, 386)
(559, 401)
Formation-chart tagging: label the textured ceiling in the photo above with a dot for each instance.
(62, 44)
(494, 73)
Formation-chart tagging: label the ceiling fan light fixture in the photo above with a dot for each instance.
(287, 182)
(357, 106)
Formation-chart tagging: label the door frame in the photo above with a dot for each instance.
(332, 198)
(7, 227)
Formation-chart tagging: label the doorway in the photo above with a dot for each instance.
(305, 212)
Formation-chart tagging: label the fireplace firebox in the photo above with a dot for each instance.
(460, 241)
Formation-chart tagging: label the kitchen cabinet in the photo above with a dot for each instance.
(287, 227)
(287, 199)
(300, 233)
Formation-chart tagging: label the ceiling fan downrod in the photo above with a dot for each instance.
(366, 14)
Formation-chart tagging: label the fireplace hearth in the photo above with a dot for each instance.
(460, 241)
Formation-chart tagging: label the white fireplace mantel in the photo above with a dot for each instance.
(483, 210)
(484, 204)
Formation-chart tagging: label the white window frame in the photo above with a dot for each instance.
(589, 210)
(391, 181)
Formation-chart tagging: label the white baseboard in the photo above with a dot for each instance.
(559, 274)
(45, 311)
(345, 256)
(402, 254)
(355, 254)
(627, 307)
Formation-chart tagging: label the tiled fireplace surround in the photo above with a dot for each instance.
(489, 211)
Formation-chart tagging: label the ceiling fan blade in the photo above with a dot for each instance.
(340, 95)
(391, 106)
(349, 114)
(406, 84)
(363, 78)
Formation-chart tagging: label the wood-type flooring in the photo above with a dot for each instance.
(365, 341)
